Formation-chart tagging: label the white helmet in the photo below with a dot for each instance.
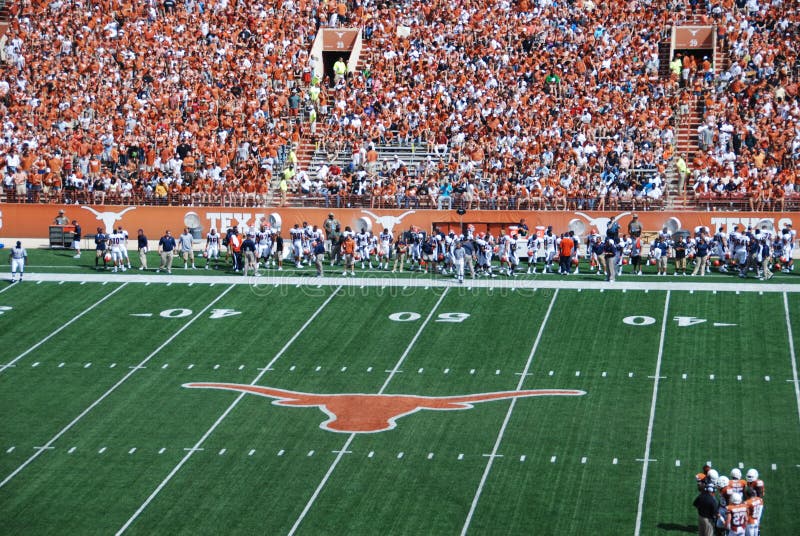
(752, 475)
(736, 498)
(712, 475)
(736, 474)
(722, 482)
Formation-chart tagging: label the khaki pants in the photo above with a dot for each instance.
(702, 263)
(249, 262)
(166, 260)
(143, 258)
(765, 271)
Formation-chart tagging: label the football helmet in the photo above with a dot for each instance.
(736, 474)
(752, 475)
(722, 482)
(736, 498)
(712, 476)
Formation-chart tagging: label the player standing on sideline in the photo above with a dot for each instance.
(720, 243)
(141, 243)
(187, 254)
(296, 235)
(166, 249)
(76, 239)
(549, 250)
(739, 243)
(124, 247)
(755, 508)
(17, 258)
(384, 249)
(100, 240)
(264, 245)
(754, 482)
(788, 237)
(212, 248)
(115, 241)
(736, 516)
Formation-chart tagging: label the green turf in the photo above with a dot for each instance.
(569, 465)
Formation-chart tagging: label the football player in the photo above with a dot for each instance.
(115, 240)
(755, 483)
(549, 249)
(264, 246)
(362, 247)
(788, 237)
(211, 250)
(720, 249)
(737, 484)
(740, 242)
(296, 236)
(384, 249)
(755, 508)
(736, 516)
(124, 246)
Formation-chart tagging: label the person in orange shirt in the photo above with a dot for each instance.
(565, 247)
(348, 250)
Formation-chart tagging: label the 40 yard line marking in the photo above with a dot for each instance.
(59, 330)
(225, 413)
(791, 352)
(507, 418)
(346, 446)
(112, 388)
(646, 457)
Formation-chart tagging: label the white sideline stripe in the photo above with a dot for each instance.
(225, 413)
(352, 436)
(791, 353)
(359, 282)
(59, 330)
(113, 387)
(507, 418)
(646, 457)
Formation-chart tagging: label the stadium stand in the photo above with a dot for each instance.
(529, 104)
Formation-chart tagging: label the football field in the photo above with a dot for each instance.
(154, 405)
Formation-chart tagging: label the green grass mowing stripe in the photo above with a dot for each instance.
(507, 417)
(352, 436)
(208, 432)
(60, 329)
(646, 458)
(792, 354)
(107, 393)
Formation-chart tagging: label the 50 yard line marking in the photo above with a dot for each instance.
(342, 450)
(59, 330)
(791, 352)
(111, 389)
(507, 418)
(646, 459)
(225, 413)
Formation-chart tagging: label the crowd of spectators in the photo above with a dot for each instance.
(525, 104)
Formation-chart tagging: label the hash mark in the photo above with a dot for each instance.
(577, 373)
(553, 459)
(691, 292)
(252, 451)
(371, 454)
(280, 452)
(102, 450)
(603, 374)
(399, 455)
(741, 465)
(420, 371)
(161, 450)
(10, 450)
(497, 372)
(221, 452)
(369, 369)
(614, 461)
(583, 460)
(430, 455)
(191, 366)
(132, 450)
(550, 373)
(70, 451)
(216, 366)
(460, 456)
(112, 365)
(310, 453)
(291, 369)
(447, 371)
(739, 378)
(630, 375)
(318, 368)
(522, 458)
(60, 365)
(87, 365)
(472, 371)
(165, 365)
(344, 369)
(35, 364)
(677, 463)
(766, 378)
(241, 367)
(683, 376)
(774, 466)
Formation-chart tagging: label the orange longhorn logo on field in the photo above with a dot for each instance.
(366, 413)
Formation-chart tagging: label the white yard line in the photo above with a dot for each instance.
(344, 448)
(792, 353)
(112, 389)
(222, 417)
(62, 328)
(646, 459)
(507, 418)
(376, 279)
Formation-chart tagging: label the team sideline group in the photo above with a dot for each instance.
(729, 506)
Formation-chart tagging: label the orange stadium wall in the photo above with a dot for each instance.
(33, 221)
